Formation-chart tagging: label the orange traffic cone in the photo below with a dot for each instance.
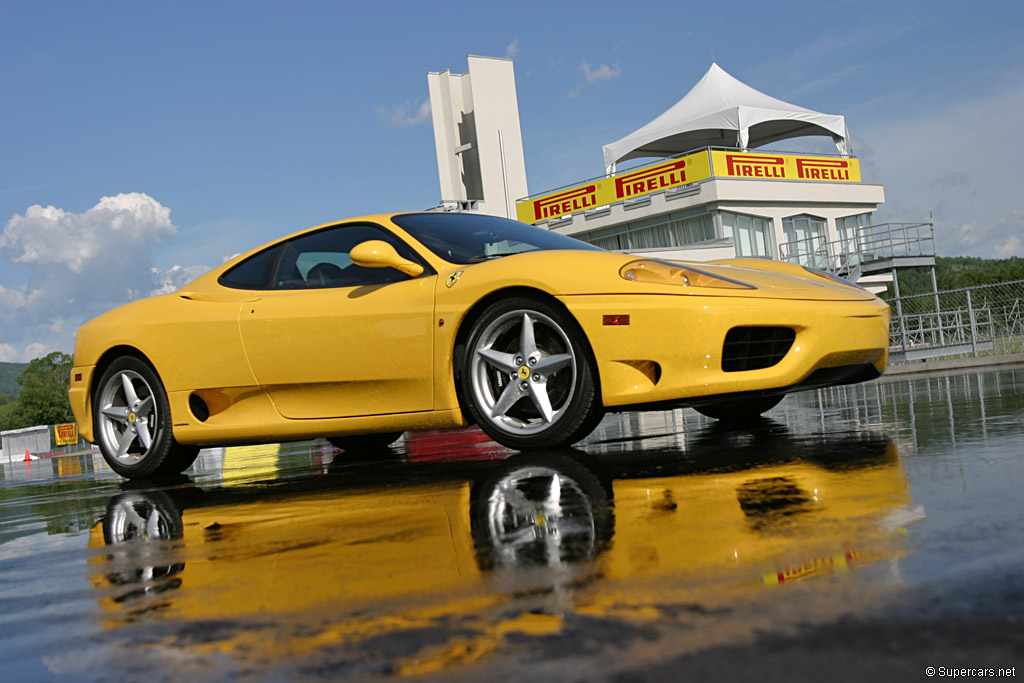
(28, 458)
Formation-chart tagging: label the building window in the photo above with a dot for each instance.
(852, 241)
(847, 227)
(805, 241)
(671, 231)
(749, 233)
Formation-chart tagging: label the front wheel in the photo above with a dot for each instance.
(738, 411)
(132, 422)
(528, 376)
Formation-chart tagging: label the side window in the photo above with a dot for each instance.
(254, 272)
(320, 260)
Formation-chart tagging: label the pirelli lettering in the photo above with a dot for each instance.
(693, 168)
(784, 167)
(576, 199)
(822, 169)
(755, 166)
(652, 179)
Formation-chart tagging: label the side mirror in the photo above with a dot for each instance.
(379, 254)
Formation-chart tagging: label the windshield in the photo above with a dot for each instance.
(465, 238)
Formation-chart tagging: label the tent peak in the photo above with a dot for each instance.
(722, 111)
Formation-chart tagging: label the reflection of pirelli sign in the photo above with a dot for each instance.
(692, 168)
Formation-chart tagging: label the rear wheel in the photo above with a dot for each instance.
(740, 410)
(528, 376)
(132, 422)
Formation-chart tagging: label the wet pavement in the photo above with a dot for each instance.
(873, 530)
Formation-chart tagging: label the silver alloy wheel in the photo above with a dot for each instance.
(128, 417)
(538, 514)
(523, 372)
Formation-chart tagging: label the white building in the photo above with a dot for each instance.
(706, 196)
(479, 142)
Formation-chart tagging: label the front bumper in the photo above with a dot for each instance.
(81, 404)
(672, 348)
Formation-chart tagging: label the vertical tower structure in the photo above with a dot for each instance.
(479, 143)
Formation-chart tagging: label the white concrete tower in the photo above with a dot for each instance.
(479, 144)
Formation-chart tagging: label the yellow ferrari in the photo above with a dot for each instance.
(361, 330)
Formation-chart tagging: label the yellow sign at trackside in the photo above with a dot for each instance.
(66, 434)
(691, 168)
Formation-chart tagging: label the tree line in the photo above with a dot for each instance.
(43, 397)
(959, 272)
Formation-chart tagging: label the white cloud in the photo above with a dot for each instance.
(512, 49)
(592, 76)
(958, 163)
(80, 264)
(411, 113)
(174, 278)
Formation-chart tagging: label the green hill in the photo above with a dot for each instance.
(959, 272)
(9, 373)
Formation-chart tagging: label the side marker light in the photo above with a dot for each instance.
(615, 319)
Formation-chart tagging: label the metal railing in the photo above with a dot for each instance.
(986, 319)
(871, 244)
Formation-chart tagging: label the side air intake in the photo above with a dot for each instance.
(755, 348)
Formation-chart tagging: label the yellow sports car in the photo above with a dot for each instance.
(367, 328)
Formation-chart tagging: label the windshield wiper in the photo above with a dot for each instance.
(491, 257)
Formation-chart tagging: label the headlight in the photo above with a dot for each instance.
(832, 278)
(667, 273)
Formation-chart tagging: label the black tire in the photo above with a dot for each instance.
(132, 422)
(365, 442)
(554, 399)
(740, 411)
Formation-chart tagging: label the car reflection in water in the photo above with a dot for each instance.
(401, 539)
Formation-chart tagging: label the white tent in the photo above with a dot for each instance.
(721, 111)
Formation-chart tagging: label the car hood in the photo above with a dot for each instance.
(569, 273)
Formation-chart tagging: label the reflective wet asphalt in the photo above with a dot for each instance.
(872, 530)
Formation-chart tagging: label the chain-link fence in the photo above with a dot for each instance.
(987, 319)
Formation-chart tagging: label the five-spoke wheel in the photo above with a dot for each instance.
(528, 376)
(131, 419)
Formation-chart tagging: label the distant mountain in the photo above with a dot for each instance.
(9, 373)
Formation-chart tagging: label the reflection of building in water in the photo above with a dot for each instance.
(917, 411)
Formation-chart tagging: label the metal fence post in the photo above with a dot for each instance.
(899, 311)
(974, 331)
(938, 309)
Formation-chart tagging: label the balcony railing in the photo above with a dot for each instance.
(869, 245)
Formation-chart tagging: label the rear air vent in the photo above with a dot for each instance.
(199, 408)
(754, 348)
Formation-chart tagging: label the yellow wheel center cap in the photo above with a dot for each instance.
(524, 372)
(131, 417)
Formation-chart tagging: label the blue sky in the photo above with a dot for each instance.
(227, 124)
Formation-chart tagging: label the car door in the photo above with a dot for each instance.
(333, 339)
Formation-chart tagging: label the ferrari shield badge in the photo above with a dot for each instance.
(453, 278)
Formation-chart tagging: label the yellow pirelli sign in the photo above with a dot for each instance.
(784, 167)
(692, 168)
(682, 171)
(66, 434)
